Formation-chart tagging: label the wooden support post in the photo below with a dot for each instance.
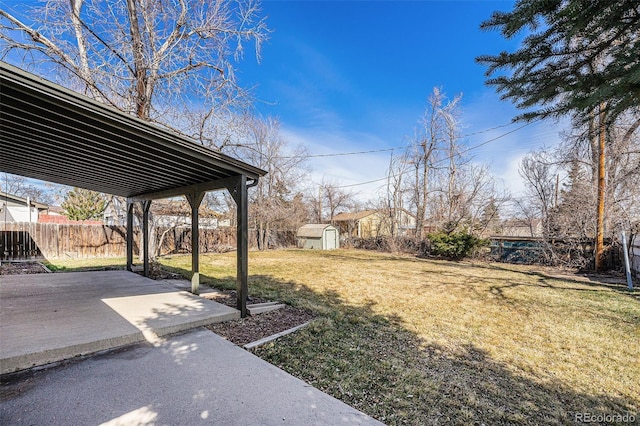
(129, 235)
(195, 199)
(146, 205)
(239, 194)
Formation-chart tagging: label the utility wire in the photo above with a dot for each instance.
(445, 158)
(340, 154)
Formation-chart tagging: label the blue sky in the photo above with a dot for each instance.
(347, 76)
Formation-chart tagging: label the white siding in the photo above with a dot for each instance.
(21, 214)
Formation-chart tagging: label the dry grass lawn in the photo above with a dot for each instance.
(413, 341)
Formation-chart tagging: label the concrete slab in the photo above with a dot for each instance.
(188, 379)
(260, 308)
(46, 318)
(182, 284)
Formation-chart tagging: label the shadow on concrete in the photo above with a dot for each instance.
(188, 379)
(46, 318)
(376, 364)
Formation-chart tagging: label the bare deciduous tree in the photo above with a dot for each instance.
(579, 155)
(148, 58)
(441, 183)
(434, 130)
(539, 172)
(572, 217)
(395, 190)
(276, 202)
(169, 62)
(18, 185)
(567, 210)
(337, 198)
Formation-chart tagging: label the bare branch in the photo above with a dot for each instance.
(51, 49)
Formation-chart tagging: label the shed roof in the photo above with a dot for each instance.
(313, 230)
(53, 134)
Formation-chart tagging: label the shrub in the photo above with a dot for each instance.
(454, 245)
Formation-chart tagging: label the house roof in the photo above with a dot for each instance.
(515, 223)
(345, 217)
(22, 200)
(53, 134)
(180, 208)
(313, 230)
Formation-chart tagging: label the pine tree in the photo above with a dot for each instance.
(579, 55)
(82, 204)
(579, 59)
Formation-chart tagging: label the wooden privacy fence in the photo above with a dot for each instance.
(219, 240)
(178, 240)
(21, 241)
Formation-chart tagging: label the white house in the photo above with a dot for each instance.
(166, 213)
(19, 209)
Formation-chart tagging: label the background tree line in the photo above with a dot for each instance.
(151, 59)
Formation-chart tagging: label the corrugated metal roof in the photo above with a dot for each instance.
(53, 134)
(313, 230)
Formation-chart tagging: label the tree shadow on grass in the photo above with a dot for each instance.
(498, 284)
(374, 363)
(597, 282)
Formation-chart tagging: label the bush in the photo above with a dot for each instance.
(383, 244)
(454, 245)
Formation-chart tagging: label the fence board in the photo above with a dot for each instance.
(19, 241)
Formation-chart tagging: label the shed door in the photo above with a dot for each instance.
(330, 238)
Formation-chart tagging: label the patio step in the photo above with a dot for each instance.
(259, 308)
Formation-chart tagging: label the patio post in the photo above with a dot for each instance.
(239, 194)
(129, 234)
(195, 199)
(146, 205)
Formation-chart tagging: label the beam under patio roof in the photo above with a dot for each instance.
(50, 133)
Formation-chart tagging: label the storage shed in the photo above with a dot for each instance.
(318, 236)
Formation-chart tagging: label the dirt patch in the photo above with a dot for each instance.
(17, 268)
(252, 328)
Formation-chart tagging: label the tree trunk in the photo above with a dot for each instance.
(140, 71)
(425, 188)
(601, 190)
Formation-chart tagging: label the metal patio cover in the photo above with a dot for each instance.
(53, 134)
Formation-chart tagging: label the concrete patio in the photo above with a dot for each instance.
(136, 376)
(46, 318)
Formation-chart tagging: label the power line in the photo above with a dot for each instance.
(352, 153)
(444, 158)
(341, 154)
